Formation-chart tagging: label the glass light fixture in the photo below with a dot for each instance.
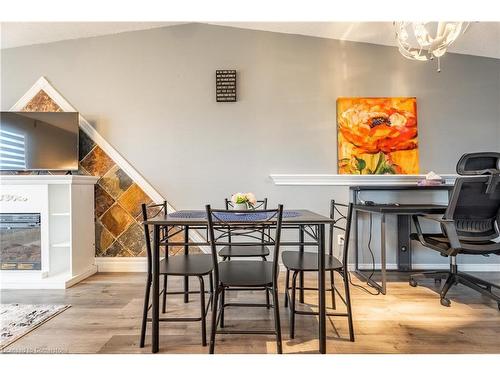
(423, 41)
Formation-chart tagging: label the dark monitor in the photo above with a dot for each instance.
(39, 141)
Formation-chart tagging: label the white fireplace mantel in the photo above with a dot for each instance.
(47, 179)
(66, 207)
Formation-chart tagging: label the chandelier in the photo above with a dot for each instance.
(423, 41)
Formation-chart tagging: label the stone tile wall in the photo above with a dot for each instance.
(118, 198)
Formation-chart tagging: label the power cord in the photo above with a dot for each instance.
(362, 287)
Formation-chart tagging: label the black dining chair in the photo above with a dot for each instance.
(186, 265)
(244, 274)
(299, 262)
(251, 251)
(232, 251)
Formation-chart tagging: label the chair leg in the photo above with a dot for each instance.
(292, 305)
(214, 321)
(476, 280)
(436, 275)
(287, 285)
(203, 321)
(164, 302)
(145, 311)
(277, 321)
(484, 287)
(266, 290)
(211, 281)
(447, 285)
(348, 304)
(222, 302)
(186, 289)
(332, 287)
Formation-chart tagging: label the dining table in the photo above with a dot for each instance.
(310, 227)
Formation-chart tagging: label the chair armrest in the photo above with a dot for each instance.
(448, 225)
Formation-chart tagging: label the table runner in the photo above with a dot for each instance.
(230, 216)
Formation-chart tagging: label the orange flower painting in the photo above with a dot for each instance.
(377, 135)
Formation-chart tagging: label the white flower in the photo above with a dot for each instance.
(251, 198)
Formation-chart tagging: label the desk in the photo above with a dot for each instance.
(305, 221)
(403, 212)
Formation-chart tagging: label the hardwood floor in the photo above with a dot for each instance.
(106, 313)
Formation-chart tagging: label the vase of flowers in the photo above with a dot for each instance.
(243, 201)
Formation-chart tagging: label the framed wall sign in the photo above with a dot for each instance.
(225, 85)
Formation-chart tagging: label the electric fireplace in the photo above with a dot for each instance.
(20, 239)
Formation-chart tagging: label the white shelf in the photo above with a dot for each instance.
(61, 244)
(60, 214)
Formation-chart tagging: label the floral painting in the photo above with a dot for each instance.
(377, 135)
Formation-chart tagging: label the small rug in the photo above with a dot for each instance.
(16, 320)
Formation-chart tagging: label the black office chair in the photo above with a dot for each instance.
(470, 224)
(195, 265)
(299, 262)
(244, 274)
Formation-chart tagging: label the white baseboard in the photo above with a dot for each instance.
(76, 279)
(36, 280)
(133, 264)
(489, 267)
(139, 264)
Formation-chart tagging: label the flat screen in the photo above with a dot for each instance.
(39, 141)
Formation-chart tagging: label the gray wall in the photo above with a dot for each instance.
(151, 95)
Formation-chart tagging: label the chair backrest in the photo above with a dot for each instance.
(479, 163)
(475, 207)
(475, 201)
(249, 224)
(149, 212)
(341, 214)
(260, 205)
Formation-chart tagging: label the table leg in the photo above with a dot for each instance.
(186, 251)
(301, 274)
(321, 289)
(383, 254)
(356, 241)
(355, 230)
(156, 290)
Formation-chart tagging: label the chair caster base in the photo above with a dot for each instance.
(413, 283)
(445, 302)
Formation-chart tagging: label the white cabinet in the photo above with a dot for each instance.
(66, 207)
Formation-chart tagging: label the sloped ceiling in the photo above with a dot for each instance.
(17, 34)
(481, 39)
